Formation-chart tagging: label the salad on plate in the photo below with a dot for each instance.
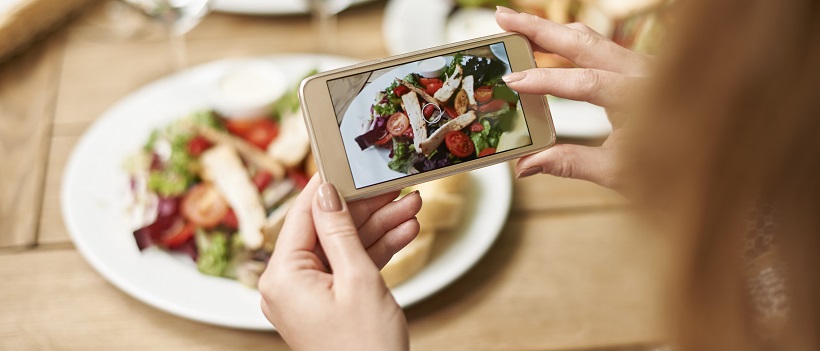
(449, 109)
(217, 188)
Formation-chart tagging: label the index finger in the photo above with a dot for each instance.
(583, 49)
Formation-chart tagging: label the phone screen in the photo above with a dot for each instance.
(427, 114)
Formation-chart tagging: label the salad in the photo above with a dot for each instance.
(433, 119)
(218, 188)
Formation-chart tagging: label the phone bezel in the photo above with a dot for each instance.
(328, 146)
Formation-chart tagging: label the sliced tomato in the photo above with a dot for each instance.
(397, 124)
(409, 133)
(459, 144)
(257, 131)
(383, 141)
(486, 151)
(230, 220)
(484, 94)
(451, 111)
(262, 179)
(428, 81)
(432, 88)
(400, 90)
(178, 234)
(204, 206)
(197, 145)
(492, 106)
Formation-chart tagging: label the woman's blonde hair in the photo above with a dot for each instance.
(732, 124)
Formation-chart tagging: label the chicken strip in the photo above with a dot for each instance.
(450, 86)
(226, 169)
(419, 91)
(410, 104)
(468, 85)
(458, 123)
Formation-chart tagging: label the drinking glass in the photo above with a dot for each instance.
(324, 18)
(177, 17)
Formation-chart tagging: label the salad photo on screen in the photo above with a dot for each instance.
(437, 112)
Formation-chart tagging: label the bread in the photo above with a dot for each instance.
(442, 210)
(409, 260)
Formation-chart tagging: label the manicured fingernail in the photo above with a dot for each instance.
(329, 200)
(514, 77)
(529, 171)
(507, 10)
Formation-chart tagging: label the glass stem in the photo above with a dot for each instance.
(326, 26)
(177, 49)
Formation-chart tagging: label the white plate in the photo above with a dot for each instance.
(266, 7)
(411, 25)
(93, 204)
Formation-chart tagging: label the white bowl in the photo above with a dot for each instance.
(432, 67)
(249, 89)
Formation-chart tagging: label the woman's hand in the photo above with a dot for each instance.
(607, 74)
(322, 289)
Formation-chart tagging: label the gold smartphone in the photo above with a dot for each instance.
(388, 124)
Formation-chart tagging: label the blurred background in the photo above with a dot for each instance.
(569, 270)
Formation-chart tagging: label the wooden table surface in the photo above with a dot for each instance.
(570, 271)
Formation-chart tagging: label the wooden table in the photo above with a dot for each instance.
(570, 270)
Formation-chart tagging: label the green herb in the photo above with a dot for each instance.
(385, 109)
(208, 119)
(403, 156)
(152, 140)
(451, 68)
(485, 71)
(412, 78)
(214, 252)
(486, 138)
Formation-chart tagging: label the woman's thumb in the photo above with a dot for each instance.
(595, 164)
(337, 233)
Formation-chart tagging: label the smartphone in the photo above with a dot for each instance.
(388, 124)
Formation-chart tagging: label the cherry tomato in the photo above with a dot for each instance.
(397, 124)
(258, 131)
(400, 90)
(178, 234)
(476, 127)
(492, 106)
(429, 110)
(484, 94)
(459, 144)
(204, 206)
(428, 81)
(197, 145)
(261, 179)
(451, 111)
(432, 88)
(230, 220)
(486, 151)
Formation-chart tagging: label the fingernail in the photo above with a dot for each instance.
(528, 172)
(514, 77)
(507, 10)
(329, 200)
